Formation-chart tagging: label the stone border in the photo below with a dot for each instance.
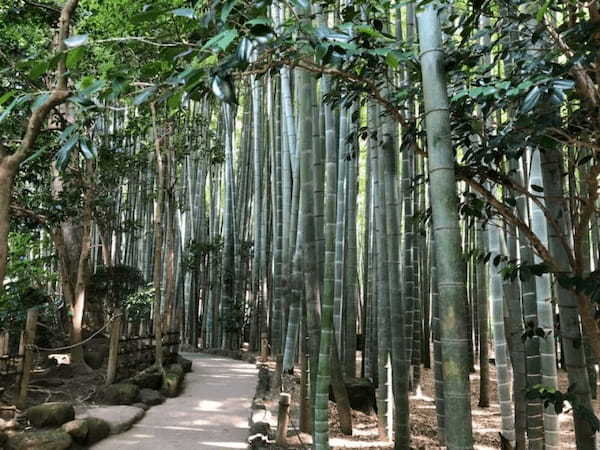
(63, 437)
(260, 434)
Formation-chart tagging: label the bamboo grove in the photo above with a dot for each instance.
(380, 187)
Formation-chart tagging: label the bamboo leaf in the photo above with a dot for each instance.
(63, 155)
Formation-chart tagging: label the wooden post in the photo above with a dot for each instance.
(30, 329)
(283, 418)
(264, 346)
(21, 354)
(4, 350)
(113, 349)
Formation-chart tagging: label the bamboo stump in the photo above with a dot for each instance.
(283, 418)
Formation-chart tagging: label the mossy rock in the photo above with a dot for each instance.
(40, 440)
(172, 384)
(120, 394)
(148, 379)
(78, 429)
(176, 369)
(185, 363)
(50, 414)
(151, 397)
(94, 359)
(87, 431)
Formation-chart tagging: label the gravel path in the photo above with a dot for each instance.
(211, 413)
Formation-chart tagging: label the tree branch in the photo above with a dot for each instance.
(510, 217)
(58, 95)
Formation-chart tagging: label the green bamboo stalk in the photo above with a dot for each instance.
(451, 268)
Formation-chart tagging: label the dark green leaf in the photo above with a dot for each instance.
(222, 40)
(38, 69)
(64, 154)
(74, 56)
(531, 100)
(227, 10)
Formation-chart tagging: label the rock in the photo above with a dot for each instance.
(259, 429)
(50, 414)
(119, 418)
(141, 405)
(119, 394)
(176, 369)
(87, 431)
(151, 397)
(264, 382)
(361, 394)
(185, 363)
(172, 383)
(10, 424)
(78, 429)
(98, 429)
(94, 359)
(149, 379)
(40, 440)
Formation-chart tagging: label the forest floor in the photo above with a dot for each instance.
(486, 421)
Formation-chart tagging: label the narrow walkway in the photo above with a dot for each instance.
(211, 413)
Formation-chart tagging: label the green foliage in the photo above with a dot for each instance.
(114, 284)
(552, 396)
(27, 279)
(198, 251)
(139, 303)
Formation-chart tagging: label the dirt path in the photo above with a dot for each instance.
(211, 413)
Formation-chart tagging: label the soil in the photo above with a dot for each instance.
(486, 421)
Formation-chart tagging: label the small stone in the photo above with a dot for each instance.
(50, 414)
(40, 440)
